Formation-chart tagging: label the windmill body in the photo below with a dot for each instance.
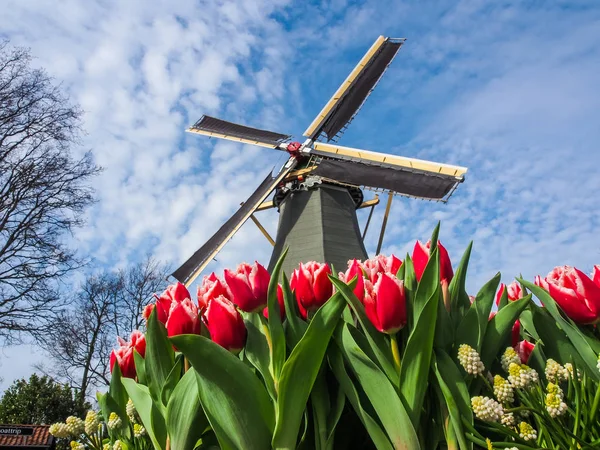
(319, 188)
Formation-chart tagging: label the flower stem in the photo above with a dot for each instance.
(395, 352)
(186, 365)
(595, 403)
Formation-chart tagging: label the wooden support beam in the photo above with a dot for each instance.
(260, 226)
(384, 224)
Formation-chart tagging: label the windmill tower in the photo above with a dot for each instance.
(319, 188)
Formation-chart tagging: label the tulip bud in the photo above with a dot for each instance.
(524, 349)
(421, 257)
(225, 324)
(385, 303)
(174, 293)
(381, 263)
(281, 304)
(312, 285)
(576, 293)
(124, 354)
(514, 292)
(249, 286)
(211, 287)
(596, 275)
(354, 270)
(183, 318)
(516, 333)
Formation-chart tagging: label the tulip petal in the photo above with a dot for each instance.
(420, 257)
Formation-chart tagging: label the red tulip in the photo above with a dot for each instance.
(281, 304)
(516, 333)
(147, 311)
(514, 292)
(421, 257)
(312, 285)
(385, 303)
(174, 293)
(211, 287)
(225, 324)
(541, 282)
(596, 275)
(576, 294)
(124, 354)
(354, 270)
(381, 263)
(249, 286)
(524, 349)
(183, 318)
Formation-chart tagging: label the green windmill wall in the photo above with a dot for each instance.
(318, 225)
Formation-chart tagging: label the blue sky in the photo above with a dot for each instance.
(508, 89)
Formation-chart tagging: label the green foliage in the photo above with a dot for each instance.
(39, 400)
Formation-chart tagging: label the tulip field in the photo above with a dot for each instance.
(388, 353)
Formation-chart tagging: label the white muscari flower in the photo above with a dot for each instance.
(107, 446)
(117, 445)
(508, 420)
(598, 363)
(114, 421)
(470, 360)
(521, 376)
(487, 409)
(77, 446)
(138, 430)
(59, 430)
(527, 432)
(131, 412)
(554, 400)
(75, 425)
(92, 420)
(555, 372)
(509, 356)
(503, 390)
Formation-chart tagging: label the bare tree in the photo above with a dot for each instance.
(43, 192)
(106, 305)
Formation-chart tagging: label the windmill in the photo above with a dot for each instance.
(319, 188)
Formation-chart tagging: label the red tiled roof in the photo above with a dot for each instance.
(41, 437)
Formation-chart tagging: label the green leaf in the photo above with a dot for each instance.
(456, 383)
(149, 413)
(468, 329)
(556, 343)
(297, 327)
(377, 435)
(410, 289)
(335, 414)
(257, 350)
(526, 319)
(118, 393)
(235, 402)
(377, 340)
(414, 368)
(428, 284)
(185, 418)
(140, 368)
(159, 357)
(434, 235)
(483, 303)
(453, 410)
(319, 400)
(458, 293)
(300, 371)
(590, 359)
(499, 328)
(172, 380)
(381, 393)
(278, 352)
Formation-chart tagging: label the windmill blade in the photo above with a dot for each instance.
(347, 100)
(190, 269)
(211, 126)
(406, 176)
